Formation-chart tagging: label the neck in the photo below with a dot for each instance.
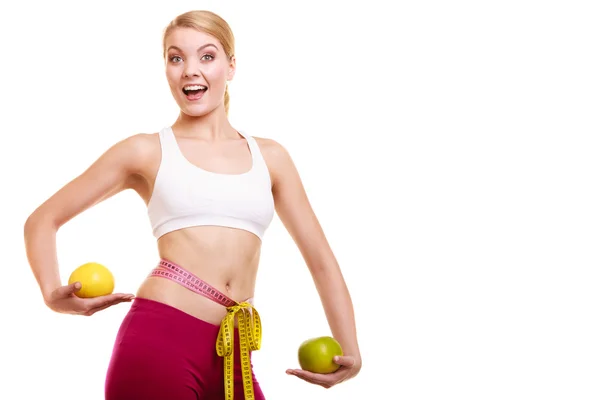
(210, 127)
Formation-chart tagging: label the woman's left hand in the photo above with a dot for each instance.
(349, 367)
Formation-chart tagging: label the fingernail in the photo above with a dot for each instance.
(336, 359)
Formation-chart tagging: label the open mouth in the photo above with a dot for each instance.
(194, 92)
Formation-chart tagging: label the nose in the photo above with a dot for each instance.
(191, 68)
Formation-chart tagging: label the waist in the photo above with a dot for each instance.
(233, 283)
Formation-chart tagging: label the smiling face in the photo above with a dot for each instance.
(197, 70)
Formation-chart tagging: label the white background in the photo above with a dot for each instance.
(450, 150)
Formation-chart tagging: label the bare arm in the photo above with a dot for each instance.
(296, 214)
(113, 172)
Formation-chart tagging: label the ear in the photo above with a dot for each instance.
(231, 71)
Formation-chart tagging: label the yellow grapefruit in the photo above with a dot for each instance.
(96, 280)
(316, 355)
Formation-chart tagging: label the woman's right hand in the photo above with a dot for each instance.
(64, 300)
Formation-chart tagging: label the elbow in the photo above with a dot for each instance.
(323, 262)
(35, 220)
(323, 272)
(30, 223)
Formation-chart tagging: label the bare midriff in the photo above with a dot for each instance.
(225, 258)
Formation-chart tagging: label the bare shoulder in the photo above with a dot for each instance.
(276, 155)
(277, 158)
(138, 149)
(143, 154)
(142, 141)
(270, 147)
(137, 156)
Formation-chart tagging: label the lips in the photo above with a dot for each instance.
(194, 92)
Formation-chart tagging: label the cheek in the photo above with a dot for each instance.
(216, 75)
(172, 76)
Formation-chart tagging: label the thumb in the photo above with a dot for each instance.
(69, 289)
(345, 361)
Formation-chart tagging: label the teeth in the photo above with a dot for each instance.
(194, 87)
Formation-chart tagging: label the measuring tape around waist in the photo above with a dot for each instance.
(249, 325)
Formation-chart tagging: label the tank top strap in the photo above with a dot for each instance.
(168, 143)
(256, 153)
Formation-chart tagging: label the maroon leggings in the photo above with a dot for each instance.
(164, 353)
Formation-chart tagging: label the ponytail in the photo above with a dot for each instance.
(226, 101)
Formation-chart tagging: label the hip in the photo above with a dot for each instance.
(167, 311)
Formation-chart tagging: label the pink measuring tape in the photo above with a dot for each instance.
(174, 272)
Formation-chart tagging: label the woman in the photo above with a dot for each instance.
(211, 193)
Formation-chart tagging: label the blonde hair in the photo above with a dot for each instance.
(210, 23)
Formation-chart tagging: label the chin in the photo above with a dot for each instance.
(197, 110)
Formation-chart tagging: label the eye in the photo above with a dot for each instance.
(175, 59)
(207, 57)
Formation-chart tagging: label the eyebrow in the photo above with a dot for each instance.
(199, 48)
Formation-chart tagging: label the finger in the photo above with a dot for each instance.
(325, 380)
(93, 310)
(103, 307)
(122, 296)
(102, 300)
(300, 373)
(115, 296)
(346, 361)
(326, 385)
(305, 377)
(67, 290)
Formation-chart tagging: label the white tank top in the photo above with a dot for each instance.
(185, 195)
